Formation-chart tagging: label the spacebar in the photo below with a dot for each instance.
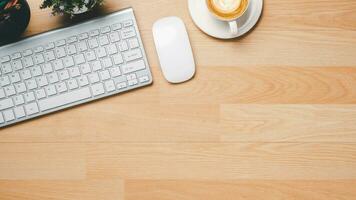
(64, 99)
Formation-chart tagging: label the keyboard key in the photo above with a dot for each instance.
(98, 89)
(31, 84)
(47, 68)
(111, 49)
(10, 90)
(132, 55)
(53, 78)
(17, 65)
(144, 79)
(131, 77)
(115, 72)
(93, 43)
(28, 62)
(79, 59)
(42, 81)
(114, 37)
(133, 43)
(96, 65)
(9, 115)
(82, 46)
(5, 59)
(103, 40)
(32, 108)
(71, 49)
(4, 81)
(105, 75)
(58, 65)
(40, 94)
(36, 71)
(133, 82)
(127, 23)
(6, 68)
(105, 29)
(38, 49)
(15, 77)
(115, 27)
(19, 100)
(15, 56)
(101, 52)
(94, 78)
(19, 112)
(123, 46)
(128, 33)
(83, 81)
(61, 87)
(21, 87)
(106, 62)
(133, 67)
(121, 85)
(72, 40)
(60, 52)
(64, 99)
(110, 86)
(68, 61)
(25, 74)
(49, 56)
(72, 84)
(60, 43)
(85, 68)
(94, 33)
(29, 97)
(50, 90)
(63, 75)
(118, 59)
(6, 104)
(39, 59)
(49, 46)
(83, 36)
(74, 72)
(90, 55)
(27, 52)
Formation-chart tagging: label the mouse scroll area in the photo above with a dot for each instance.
(167, 35)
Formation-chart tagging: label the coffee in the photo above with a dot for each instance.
(227, 9)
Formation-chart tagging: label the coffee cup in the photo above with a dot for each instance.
(228, 10)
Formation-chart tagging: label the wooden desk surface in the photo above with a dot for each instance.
(268, 116)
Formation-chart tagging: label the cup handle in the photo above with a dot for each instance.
(234, 29)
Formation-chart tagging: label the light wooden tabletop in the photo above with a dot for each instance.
(268, 116)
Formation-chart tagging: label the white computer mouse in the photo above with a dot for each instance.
(173, 49)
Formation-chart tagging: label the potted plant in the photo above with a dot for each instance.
(71, 7)
(14, 18)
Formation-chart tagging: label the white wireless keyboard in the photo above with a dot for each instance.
(71, 66)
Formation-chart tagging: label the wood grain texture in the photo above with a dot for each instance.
(31, 161)
(192, 123)
(239, 190)
(223, 161)
(112, 189)
(269, 116)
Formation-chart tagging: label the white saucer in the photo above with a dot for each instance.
(220, 29)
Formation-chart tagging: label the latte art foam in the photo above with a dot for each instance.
(226, 6)
(227, 9)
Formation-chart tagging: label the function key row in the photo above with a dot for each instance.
(126, 34)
